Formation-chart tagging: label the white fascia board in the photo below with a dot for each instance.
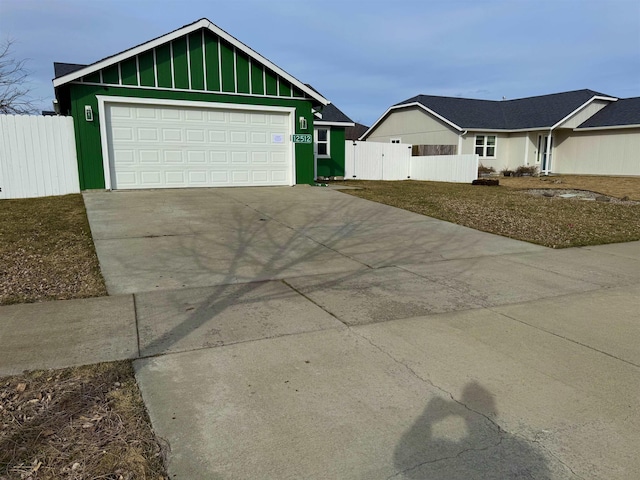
(498, 130)
(334, 124)
(255, 55)
(203, 23)
(582, 107)
(608, 127)
(406, 105)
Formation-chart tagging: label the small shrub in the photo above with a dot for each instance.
(483, 170)
(506, 172)
(487, 182)
(523, 170)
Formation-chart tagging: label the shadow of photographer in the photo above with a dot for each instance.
(452, 440)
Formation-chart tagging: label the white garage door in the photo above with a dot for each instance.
(153, 146)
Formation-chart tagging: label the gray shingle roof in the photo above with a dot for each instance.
(62, 69)
(533, 112)
(331, 113)
(625, 111)
(355, 132)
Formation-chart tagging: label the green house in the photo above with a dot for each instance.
(197, 108)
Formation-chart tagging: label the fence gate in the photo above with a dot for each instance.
(393, 161)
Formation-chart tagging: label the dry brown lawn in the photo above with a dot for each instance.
(46, 251)
(77, 423)
(508, 210)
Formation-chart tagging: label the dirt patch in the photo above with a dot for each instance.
(77, 423)
(618, 187)
(46, 251)
(579, 195)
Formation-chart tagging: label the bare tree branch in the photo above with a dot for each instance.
(14, 93)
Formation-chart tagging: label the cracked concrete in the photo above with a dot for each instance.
(292, 333)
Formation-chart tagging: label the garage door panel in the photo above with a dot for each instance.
(175, 178)
(279, 158)
(259, 158)
(278, 176)
(157, 146)
(150, 178)
(196, 136)
(239, 137)
(196, 157)
(171, 157)
(236, 117)
(171, 135)
(147, 134)
(123, 133)
(219, 158)
(170, 114)
(240, 177)
(260, 176)
(217, 136)
(239, 157)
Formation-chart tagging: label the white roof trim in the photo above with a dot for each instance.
(334, 124)
(203, 23)
(582, 107)
(405, 105)
(607, 127)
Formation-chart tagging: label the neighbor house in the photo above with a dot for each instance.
(579, 132)
(196, 108)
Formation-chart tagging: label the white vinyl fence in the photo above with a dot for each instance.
(393, 161)
(37, 156)
(445, 168)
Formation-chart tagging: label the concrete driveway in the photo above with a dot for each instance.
(304, 333)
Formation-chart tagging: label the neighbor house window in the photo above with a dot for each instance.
(486, 145)
(322, 142)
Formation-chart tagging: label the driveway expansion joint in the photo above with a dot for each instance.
(563, 337)
(427, 381)
(135, 317)
(312, 301)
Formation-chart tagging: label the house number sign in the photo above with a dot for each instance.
(302, 138)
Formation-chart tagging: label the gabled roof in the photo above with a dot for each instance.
(73, 74)
(540, 112)
(624, 112)
(543, 111)
(333, 115)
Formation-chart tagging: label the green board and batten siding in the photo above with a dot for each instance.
(199, 66)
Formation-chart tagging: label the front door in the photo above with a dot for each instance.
(544, 152)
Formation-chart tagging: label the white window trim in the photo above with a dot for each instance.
(485, 146)
(328, 142)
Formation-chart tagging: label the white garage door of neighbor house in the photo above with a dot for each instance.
(152, 146)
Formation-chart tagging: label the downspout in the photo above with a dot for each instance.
(460, 135)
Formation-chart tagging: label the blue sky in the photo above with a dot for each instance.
(363, 55)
